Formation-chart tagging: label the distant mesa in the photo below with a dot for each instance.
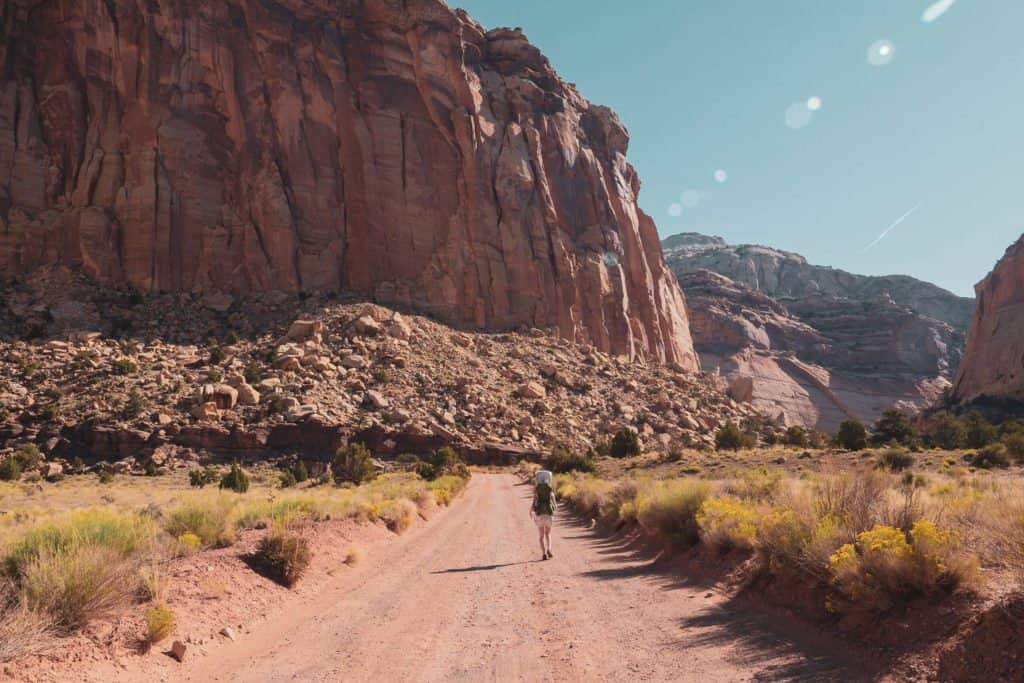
(814, 345)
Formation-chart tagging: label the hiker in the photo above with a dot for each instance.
(542, 509)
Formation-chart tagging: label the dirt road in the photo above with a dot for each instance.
(466, 598)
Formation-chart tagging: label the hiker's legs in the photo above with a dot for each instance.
(547, 537)
(543, 548)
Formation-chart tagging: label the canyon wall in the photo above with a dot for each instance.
(393, 149)
(993, 365)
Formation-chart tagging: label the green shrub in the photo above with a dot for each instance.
(286, 479)
(992, 455)
(625, 442)
(200, 478)
(253, 373)
(217, 355)
(852, 436)
(896, 459)
(1015, 445)
(425, 470)
(235, 479)
(282, 557)
(151, 469)
(133, 405)
(670, 508)
(10, 469)
(125, 366)
(232, 338)
(729, 437)
(353, 463)
(300, 472)
(893, 428)
(28, 456)
(979, 431)
(106, 476)
(564, 462)
(159, 623)
(796, 436)
(947, 432)
(209, 520)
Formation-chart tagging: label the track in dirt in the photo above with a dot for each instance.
(466, 598)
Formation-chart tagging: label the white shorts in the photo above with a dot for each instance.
(542, 521)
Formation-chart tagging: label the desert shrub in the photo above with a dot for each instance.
(235, 479)
(563, 462)
(1014, 443)
(159, 623)
(947, 432)
(979, 432)
(133, 405)
(200, 478)
(444, 489)
(283, 557)
(852, 435)
(893, 428)
(209, 520)
(424, 470)
(151, 469)
(217, 355)
(398, 514)
(796, 436)
(625, 442)
(759, 484)
(354, 556)
(106, 476)
(727, 523)
(353, 464)
(253, 373)
(730, 437)
(23, 630)
(125, 366)
(286, 479)
(444, 462)
(232, 338)
(992, 455)
(28, 456)
(300, 472)
(80, 584)
(670, 507)
(189, 543)
(886, 566)
(10, 469)
(896, 459)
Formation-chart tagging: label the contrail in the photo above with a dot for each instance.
(890, 228)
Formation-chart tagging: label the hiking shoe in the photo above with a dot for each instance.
(544, 556)
(550, 555)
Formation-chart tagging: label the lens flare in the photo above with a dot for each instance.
(814, 103)
(690, 198)
(675, 210)
(881, 52)
(721, 176)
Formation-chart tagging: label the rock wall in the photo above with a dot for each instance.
(393, 149)
(993, 365)
(812, 345)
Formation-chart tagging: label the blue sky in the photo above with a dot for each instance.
(936, 134)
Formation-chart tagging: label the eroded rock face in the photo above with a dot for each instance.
(396, 150)
(811, 345)
(993, 365)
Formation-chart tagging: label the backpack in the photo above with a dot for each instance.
(544, 505)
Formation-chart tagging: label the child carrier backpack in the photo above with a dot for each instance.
(543, 505)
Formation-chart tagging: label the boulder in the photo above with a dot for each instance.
(247, 395)
(206, 411)
(302, 331)
(531, 390)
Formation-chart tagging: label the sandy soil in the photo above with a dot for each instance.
(466, 598)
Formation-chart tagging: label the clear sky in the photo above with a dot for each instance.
(832, 120)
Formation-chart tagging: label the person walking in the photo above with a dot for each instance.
(542, 509)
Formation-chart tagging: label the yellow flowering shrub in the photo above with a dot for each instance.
(727, 523)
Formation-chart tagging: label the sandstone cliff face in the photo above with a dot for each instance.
(392, 149)
(993, 365)
(785, 275)
(813, 351)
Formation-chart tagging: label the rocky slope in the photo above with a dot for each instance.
(815, 345)
(170, 378)
(993, 365)
(396, 150)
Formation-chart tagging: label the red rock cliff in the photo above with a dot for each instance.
(993, 365)
(395, 149)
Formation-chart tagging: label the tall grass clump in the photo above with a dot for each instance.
(23, 630)
(669, 509)
(283, 557)
(208, 519)
(79, 567)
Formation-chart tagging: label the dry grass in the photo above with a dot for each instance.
(23, 630)
(355, 556)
